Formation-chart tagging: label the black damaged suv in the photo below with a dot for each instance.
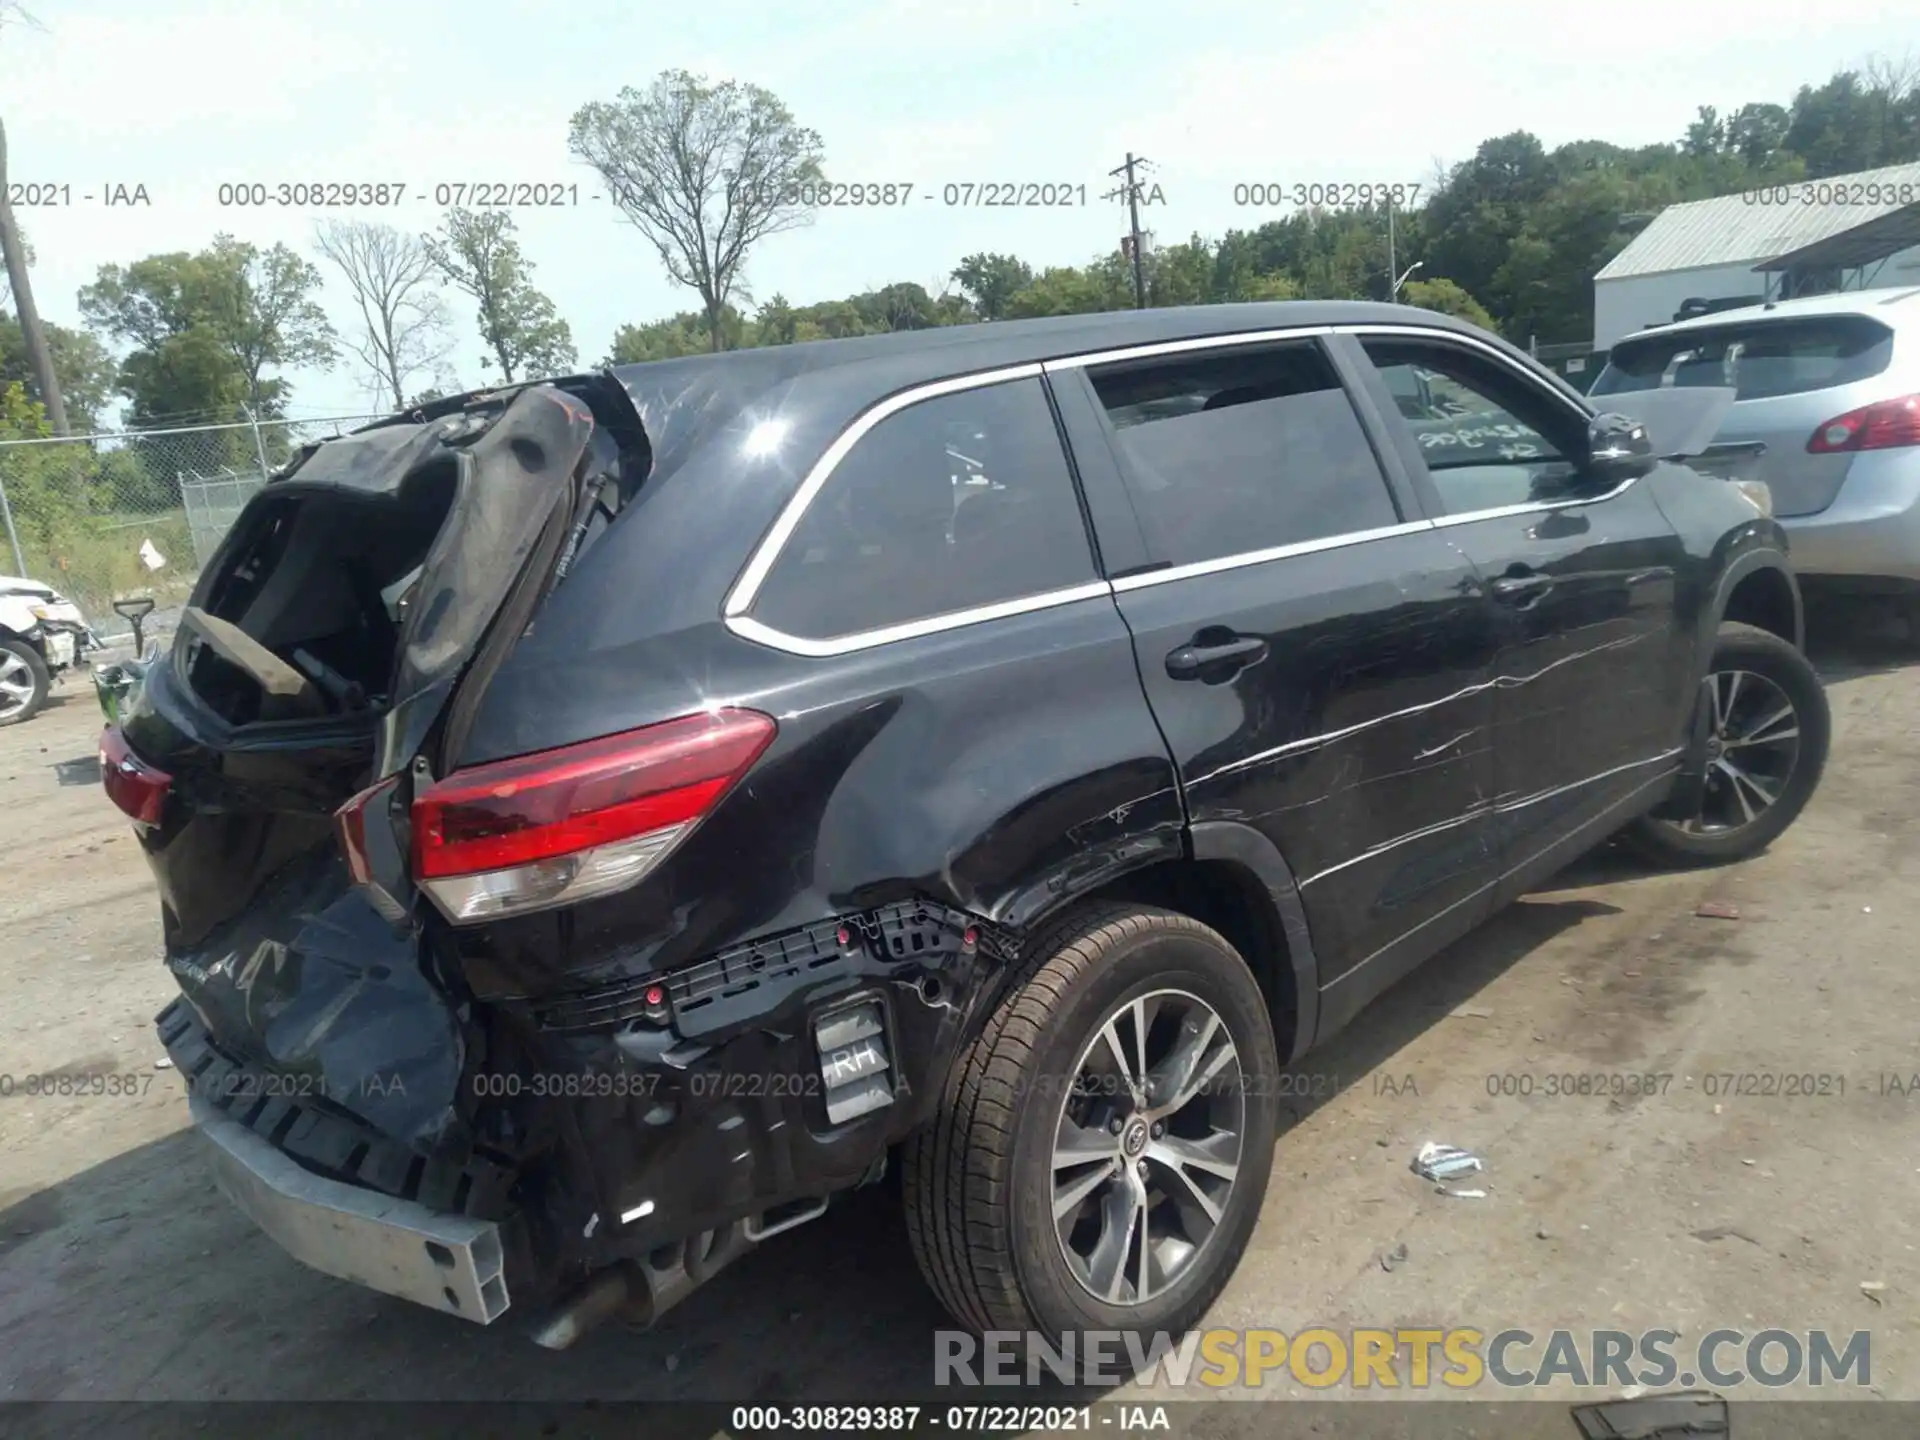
(597, 822)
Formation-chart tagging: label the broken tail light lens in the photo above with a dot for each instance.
(565, 825)
(1885, 425)
(132, 784)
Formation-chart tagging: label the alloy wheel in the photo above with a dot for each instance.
(1752, 749)
(16, 685)
(1148, 1145)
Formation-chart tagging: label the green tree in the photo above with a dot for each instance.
(1756, 132)
(775, 322)
(206, 328)
(902, 306)
(684, 334)
(991, 281)
(1856, 120)
(85, 370)
(1707, 135)
(479, 253)
(1480, 211)
(1182, 273)
(705, 172)
(1448, 298)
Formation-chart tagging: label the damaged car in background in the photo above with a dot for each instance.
(42, 633)
(598, 822)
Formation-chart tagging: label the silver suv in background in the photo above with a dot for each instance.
(1830, 385)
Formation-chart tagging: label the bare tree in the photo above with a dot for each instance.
(705, 172)
(1890, 81)
(403, 321)
(479, 253)
(15, 254)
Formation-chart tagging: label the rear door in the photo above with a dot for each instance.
(1584, 585)
(1790, 376)
(1315, 652)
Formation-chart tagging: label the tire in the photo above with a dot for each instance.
(979, 1182)
(1784, 675)
(24, 682)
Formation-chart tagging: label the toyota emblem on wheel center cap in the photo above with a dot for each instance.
(1134, 1138)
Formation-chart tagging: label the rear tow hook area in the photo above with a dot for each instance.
(638, 1292)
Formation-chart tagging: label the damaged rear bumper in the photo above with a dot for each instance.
(689, 1119)
(454, 1263)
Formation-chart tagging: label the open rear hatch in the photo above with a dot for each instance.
(333, 647)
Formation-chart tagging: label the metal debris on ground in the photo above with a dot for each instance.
(1717, 910)
(1461, 1194)
(1435, 1161)
(1393, 1257)
(1470, 1012)
(1872, 1288)
(1639, 1416)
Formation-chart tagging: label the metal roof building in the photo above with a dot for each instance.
(1847, 232)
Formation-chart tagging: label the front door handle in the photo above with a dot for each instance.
(1213, 660)
(1520, 585)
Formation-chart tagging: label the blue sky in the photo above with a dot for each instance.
(180, 97)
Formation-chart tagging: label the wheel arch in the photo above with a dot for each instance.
(1759, 589)
(1234, 879)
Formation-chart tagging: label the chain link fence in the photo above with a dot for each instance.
(136, 513)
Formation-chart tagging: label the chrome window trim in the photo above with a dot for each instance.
(1182, 347)
(1261, 557)
(1534, 507)
(1492, 351)
(1499, 357)
(747, 628)
(740, 598)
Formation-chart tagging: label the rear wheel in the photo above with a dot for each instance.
(24, 682)
(1767, 744)
(1103, 1148)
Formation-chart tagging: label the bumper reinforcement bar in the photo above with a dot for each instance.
(451, 1263)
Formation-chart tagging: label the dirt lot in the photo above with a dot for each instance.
(124, 1274)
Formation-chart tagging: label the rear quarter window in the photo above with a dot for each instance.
(1758, 359)
(952, 504)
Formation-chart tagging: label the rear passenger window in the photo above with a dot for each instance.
(951, 504)
(1229, 454)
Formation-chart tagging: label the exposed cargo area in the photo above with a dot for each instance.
(305, 617)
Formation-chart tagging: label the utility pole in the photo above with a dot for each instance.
(30, 332)
(1393, 262)
(1132, 192)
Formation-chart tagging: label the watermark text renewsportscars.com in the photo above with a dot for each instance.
(1404, 1358)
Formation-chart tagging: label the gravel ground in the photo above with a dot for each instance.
(125, 1275)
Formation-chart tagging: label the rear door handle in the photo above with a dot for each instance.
(1222, 658)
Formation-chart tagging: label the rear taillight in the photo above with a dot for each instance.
(132, 784)
(1884, 425)
(566, 825)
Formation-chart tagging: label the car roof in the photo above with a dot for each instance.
(1875, 303)
(682, 400)
(942, 350)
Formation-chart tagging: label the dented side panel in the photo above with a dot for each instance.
(999, 769)
(1359, 745)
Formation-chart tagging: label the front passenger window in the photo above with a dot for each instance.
(1488, 439)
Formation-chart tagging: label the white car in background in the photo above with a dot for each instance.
(1827, 390)
(41, 633)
